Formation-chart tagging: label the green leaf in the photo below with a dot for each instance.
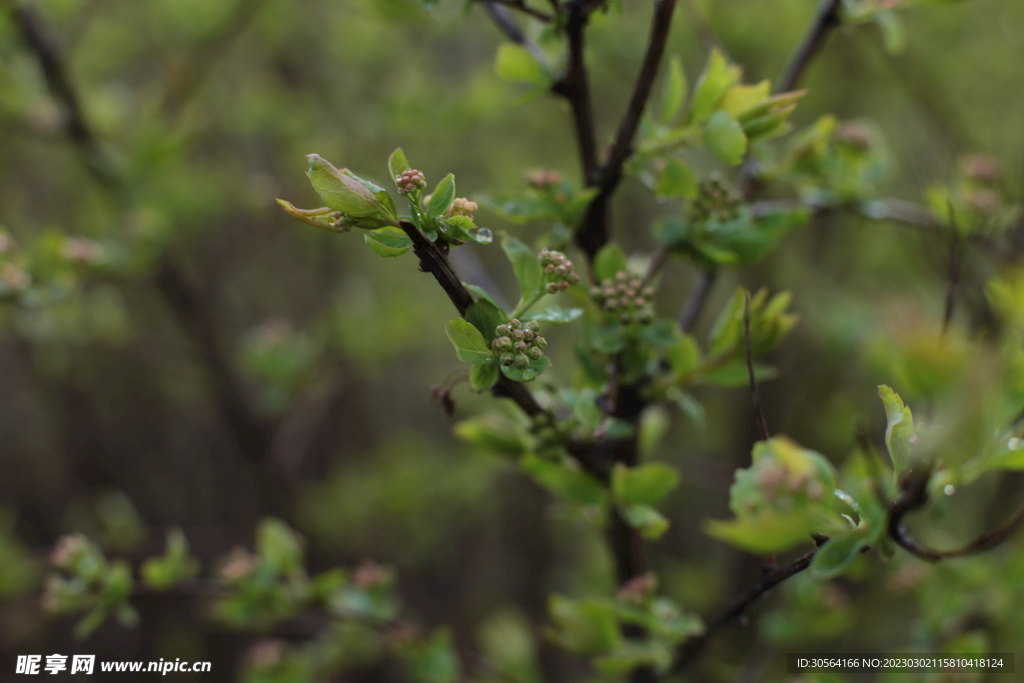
(765, 534)
(482, 293)
(838, 553)
(724, 136)
(899, 429)
(735, 374)
(609, 261)
(529, 373)
(651, 523)
(683, 357)
(483, 376)
(674, 96)
(584, 627)
(660, 333)
(442, 196)
(717, 78)
(515, 63)
(644, 484)
(340, 191)
(485, 316)
(556, 315)
(433, 660)
(525, 265)
(468, 342)
(388, 242)
(397, 163)
(676, 181)
(278, 545)
(565, 479)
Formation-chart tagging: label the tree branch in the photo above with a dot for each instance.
(914, 495)
(692, 647)
(521, 6)
(55, 74)
(592, 233)
(695, 301)
(435, 262)
(574, 87)
(826, 19)
(761, 422)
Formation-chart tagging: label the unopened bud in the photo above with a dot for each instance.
(520, 346)
(533, 326)
(503, 343)
(518, 335)
(507, 358)
(551, 287)
(502, 330)
(540, 342)
(528, 335)
(522, 361)
(534, 353)
(515, 324)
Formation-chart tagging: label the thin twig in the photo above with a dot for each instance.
(696, 300)
(914, 495)
(953, 270)
(502, 18)
(691, 648)
(521, 6)
(825, 21)
(762, 424)
(55, 73)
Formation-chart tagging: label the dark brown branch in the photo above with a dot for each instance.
(435, 262)
(691, 648)
(914, 495)
(520, 6)
(502, 18)
(695, 301)
(762, 424)
(55, 74)
(574, 87)
(592, 233)
(825, 21)
(953, 270)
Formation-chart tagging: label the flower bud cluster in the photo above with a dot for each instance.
(517, 343)
(856, 135)
(544, 179)
(461, 207)
(558, 270)
(545, 432)
(623, 297)
(716, 199)
(410, 181)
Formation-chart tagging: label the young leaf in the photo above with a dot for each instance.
(525, 265)
(718, 77)
(515, 63)
(483, 376)
(674, 96)
(442, 196)
(468, 342)
(340, 191)
(564, 480)
(556, 315)
(485, 316)
(899, 430)
(837, 554)
(388, 242)
(724, 136)
(676, 180)
(397, 163)
(609, 261)
(584, 627)
(644, 484)
(483, 294)
(529, 373)
(651, 523)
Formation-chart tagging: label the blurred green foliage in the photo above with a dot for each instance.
(164, 327)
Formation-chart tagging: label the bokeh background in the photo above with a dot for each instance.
(190, 356)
